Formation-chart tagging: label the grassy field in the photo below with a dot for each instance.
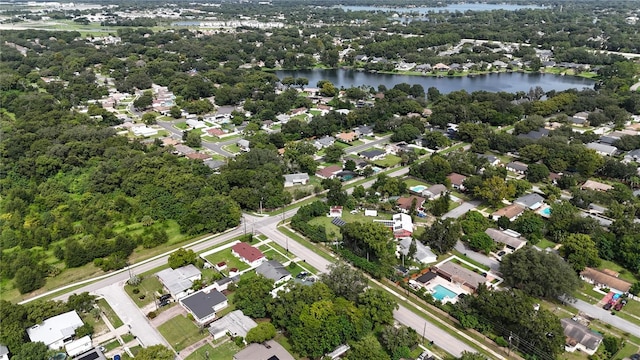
(544, 243)
(388, 161)
(148, 287)
(227, 257)
(115, 321)
(224, 351)
(181, 332)
(414, 182)
(233, 148)
(624, 274)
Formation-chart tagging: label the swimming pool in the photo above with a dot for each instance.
(441, 292)
(545, 211)
(418, 188)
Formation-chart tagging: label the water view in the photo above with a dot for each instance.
(509, 82)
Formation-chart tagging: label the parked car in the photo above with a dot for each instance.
(620, 305)
(607, 306)
(302, 275)
(164, 297)
(164, 303)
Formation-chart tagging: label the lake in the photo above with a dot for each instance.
(509, 82)
(450, 7)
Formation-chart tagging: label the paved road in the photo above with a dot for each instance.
(131, 315)
(213, 146)
(357, 148)
(492, 263)
(605, 316)
(462, 209)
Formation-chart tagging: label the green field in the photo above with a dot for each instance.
(110, 314)
(233, 148)
(227, 257)
(181, 332)
(148, 287)
(388, 161)
(414, 182)
(224, 351)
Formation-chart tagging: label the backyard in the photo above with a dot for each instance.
(227, 257)
(224, 351)
(146, 292)
(181, 332)
(388, 161)
(333, 231)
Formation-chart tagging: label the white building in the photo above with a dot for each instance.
(144, 131)
(179, 281)
(56, 331)
(235, 323)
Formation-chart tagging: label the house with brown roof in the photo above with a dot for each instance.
(460, 275)
(509, 238)
(404, 204)
(347, 137)
(595, 185)
(198, 156)
(216, 132)
(434, 191)
(601, 279)
(457, 181)
(511, 212)
(248, 254)
(329, 172)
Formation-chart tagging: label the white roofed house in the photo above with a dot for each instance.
(56, 331)
(509, 238)
(235, 323)
(4, 352)
(423, 253)
(602, 149)
(179, 281)
(434, 192)
(296, 179)
(244, 145)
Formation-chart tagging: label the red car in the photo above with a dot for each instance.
(620, 304)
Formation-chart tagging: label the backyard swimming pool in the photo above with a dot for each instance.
(441, 292)
(418, 188)
(545, 211)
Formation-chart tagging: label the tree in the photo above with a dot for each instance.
(175, 112)
(367, 348)
(529, 224)
(398, 340)
(182, 257)
(344, 281)
(435, 140)
(33, 350)
(82, 302)
(143, 102)
(191, 138)
(377, 305)
(149, 118)
(406, 132)
(471, 356)
(333, 153)
(350, 165)
(28, 279)
(494, 190)
(481, 241)
(580, 251)
(253, 295)
(155, 352)
(261, 333)
(373, 242)
(537, 173)
(440, 206)
(442, 235)
(539, 274)
(336, 195)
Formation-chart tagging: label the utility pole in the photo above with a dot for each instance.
(510, 337)
(244, 220)
(424, 331)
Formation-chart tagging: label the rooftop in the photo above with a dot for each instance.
(269, 350)
(247, 251)
(201, 304)
(605, 279)
(515, 242)
(55, 328)
(578, 333)
(178, 280)
(235, 322)
(460, 274)
(273, 270)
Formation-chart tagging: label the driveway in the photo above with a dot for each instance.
(597, 312)
(131, 315)
(462, 209)
(492, 263)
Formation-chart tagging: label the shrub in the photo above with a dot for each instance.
(152, 315)
(141, 297)
(501, 341)
(136, 290)
(292, 265)
(239, 340)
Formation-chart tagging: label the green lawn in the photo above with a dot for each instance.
(544, 243)
(226, 256)
(624, 274)
(413, 182)
(233, 148)
(224, 351)
(342, 145)
(388, 161)
(356, 142)
(181, 125)
(315, 112)
(111, 345)
(111, 315)
(181, 332)
(127, 338)
(148, 287)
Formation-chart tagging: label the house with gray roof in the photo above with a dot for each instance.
(268, 350)
(324, 142)
(274, 270)
(373, 155)
(4, 352)
(243, 144)
(296, 179)
(633, 155)
(179, 281)
(530, 201)
(579, 337)
(423, 253)
(434, 192)
(517, 167)
(364, 130)
(204, 304)
(602, 149)
(509, 238)
(235, 323)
